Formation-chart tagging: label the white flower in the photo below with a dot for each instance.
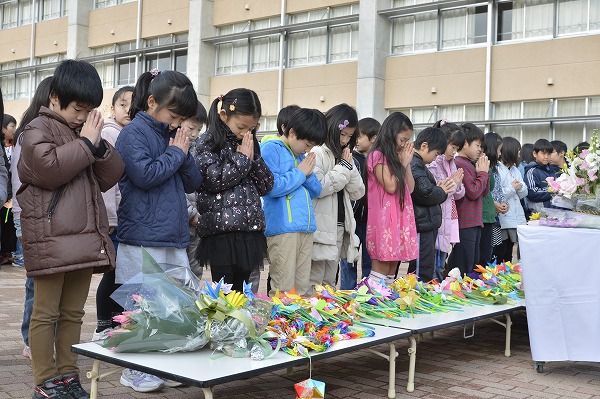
(455, 273)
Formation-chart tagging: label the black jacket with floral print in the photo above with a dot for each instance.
(229, 198)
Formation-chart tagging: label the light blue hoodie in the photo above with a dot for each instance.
(288, 206)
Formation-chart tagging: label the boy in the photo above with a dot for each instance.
(557, 158)
(427, 197)
(192, 127)
(288, 207)
(475, 166)
(284, 116)
(63, 169)
(367, 133)
(536, 174)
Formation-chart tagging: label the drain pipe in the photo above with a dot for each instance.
(138, 39)
(281, 50)
(31, 51)
(488, 66)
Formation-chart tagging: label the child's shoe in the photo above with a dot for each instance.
(18, 262)
(74, 387)
(52, 389)
(26, 352)
(141, 382)
(102, 335)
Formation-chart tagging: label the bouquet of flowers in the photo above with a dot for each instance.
(576, 187)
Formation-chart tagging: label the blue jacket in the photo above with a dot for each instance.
(288, 206)
(153, 208)
(537, 186)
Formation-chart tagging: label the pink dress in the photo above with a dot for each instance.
(391, 230)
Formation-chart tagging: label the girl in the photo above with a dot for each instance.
(7, 227)
(442, 168)
(391, 229)
(158, 172)
(41, 98)
(341, 181)
(231, 224)
(514, 189)
(106, 308)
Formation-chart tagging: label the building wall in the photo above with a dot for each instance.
(162, 17)
(121, 19)
(51, 37)
(17, 39)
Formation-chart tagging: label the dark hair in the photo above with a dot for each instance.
(369, 127)
(8, 119)
(1, 105)
(284, 116)
(341, 114)
(510, 151)
(543, 145)
(584, 145)
(454, 134)
(235, 102)
(434, 137)
(120, 92)
(77, 81)
(201, 116)
(170, 89)
(308, 124)
(385, 142)
(491, 143)
(559, 146)
(472, 133)
(527, 153)
(41, 98)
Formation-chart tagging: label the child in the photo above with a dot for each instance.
(514, 190)
(8, 236)
(536, 174)
(426, 198)
(192, 127)
(442, 168)
(232, 222)
(391, 230)
(106, 308)
(341, 181)
(367, 133)
(284, 116)
(65, 237)
(159, 171)
(40, 98)
(557, 158)
(475, 166)
(288, 207)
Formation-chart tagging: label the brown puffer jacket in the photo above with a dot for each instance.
(64, 222)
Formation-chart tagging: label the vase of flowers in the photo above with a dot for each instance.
(578, 182)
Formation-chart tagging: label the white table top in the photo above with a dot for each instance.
(198, 369)
(430, 322)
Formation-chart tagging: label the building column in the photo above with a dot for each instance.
(78, 27)
(201, 56)
(373, 48)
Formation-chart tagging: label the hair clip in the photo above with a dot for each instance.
(443, 122)
(220, 97)
(232, 105)
(154, 72)
(343, 125)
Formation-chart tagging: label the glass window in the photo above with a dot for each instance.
(464, 26)
(264, 53)
(343, 42)
(474, 112)
(533, 132)
(594, 106)
(414, 33)
(160, 61)
(25, 12)
(403, 3)
(232, 57)
(537, 109)
(508, 110)
(181, 61)
(43, 74)
(50, 9)
(9, 14)
(571, 133)
(570, 107)
(22, 81)
(572, 16)
(594, 14)
(8, 86)
(520, 19)
(308, 47)
(126, 71)
(106, 70)
(508, 131)
(454, 113)
(423, 115)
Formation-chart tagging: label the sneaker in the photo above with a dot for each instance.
(172, 384)
(52, 389)
(102, 335)
(27, 352)
(141, 382)
(18, 262)
(74, 387)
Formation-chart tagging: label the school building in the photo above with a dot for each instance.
(526, 68)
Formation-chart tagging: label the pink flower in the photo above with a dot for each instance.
(137, 298)
(584, 165)
(592, 175)
(554, 185)
(584, 154)
(122, 319)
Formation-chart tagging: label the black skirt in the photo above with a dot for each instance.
(244, 251)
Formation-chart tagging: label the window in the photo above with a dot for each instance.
(341, 11)
(181, 61)
(25, 12)
(574, 16)
(264, 53)
(423, 115)
(594, 106)
(537, 109)
(22, 83)
(125, 71)
(308, 47)
(521, 19)
(464, 26)
(48, 59)
(232, 57)
(106, 70)
(8, 86)
(160, 61)
(570, 107)
(508, 110)
(51, 9)
(9, 11)
(343, 42)
(108, 3)
(403, 3)
(414, 33)
(43, 74)
(268, 124)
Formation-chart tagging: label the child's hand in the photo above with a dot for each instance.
(247, 146)
(347, 155)
(405, 153)
(458, 176)
(482, 164)
(308, 164)
(180, 141)
(447, 185)
(194, 221)
(517, 185)
(501, 207)
(92, 127)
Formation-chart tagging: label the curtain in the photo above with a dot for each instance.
(570, 133)
(9, 15)
(594, 106)
(539, 16)
(317, 49)
(594, 14)
(423, 115)
(572, 16)
(25, 14)
(22, 85)
(426, 31)
(573, 107)
(8, 86)
(224, 58)
(453, 28)
(474, 112)
(476, 25)
(508, 110)
(343, 44)
(402, 34)
(240, 57)
(508, 131)
(453, 113)
(532, 132)
(298, 48)
(259, 53)
(537, 109)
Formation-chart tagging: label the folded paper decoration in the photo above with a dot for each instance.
(310, 389)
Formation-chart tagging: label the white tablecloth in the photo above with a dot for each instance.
(561, 274)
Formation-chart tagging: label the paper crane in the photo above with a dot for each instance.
(310, 389)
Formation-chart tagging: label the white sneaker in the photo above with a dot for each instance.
(102, 335)
(173, 384)
(141, 382)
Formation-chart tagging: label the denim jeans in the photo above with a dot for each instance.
(28, 306)
(348, 271)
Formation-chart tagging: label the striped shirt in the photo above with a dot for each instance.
(477, 186)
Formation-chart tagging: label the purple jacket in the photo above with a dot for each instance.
(441, 169)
